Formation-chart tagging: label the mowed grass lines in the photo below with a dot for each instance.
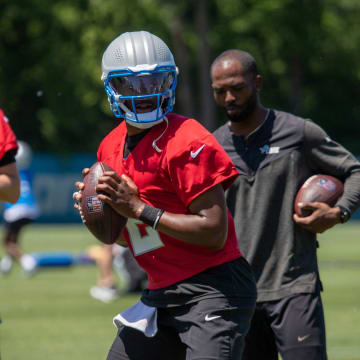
(339, 257)
(52, 316)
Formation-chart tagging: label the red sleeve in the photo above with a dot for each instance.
(7, 136)
(112, 143)
(99, 153)
(201, 164)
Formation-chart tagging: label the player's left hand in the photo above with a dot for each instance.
(77, 196)
(121, 193)
(322, 218)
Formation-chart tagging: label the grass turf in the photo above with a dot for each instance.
(52, 316)
(339, 259)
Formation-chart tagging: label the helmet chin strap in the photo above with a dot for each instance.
(146, 125)
(144, 118)
(143, 125)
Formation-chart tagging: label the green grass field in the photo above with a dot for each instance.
(52, 316)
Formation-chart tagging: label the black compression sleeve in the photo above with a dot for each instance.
(8, 158)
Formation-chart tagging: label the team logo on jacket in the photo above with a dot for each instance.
(267, 149)
(93, 204)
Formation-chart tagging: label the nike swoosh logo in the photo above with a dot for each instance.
(197, 152)
(209, 318)
(302, 338)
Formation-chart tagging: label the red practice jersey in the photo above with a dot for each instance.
(7, 137)
(189, 162)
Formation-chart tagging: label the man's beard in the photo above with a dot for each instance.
(249, 108)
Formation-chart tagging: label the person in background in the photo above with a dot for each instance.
(169, 181)
(126, 266)
(9, 177)
(275, 152)
(106, 288)
(113, 260)
(20, 214)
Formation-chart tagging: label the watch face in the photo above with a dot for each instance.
(344, 216)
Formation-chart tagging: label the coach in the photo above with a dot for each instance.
(275, 152)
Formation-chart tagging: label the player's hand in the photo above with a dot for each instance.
(80, 186)
(322, 218)
(121, 193)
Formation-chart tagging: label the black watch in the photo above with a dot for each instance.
(344, 214)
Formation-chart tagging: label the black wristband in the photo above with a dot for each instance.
(8, 157)
(151, 216)
(158, 216)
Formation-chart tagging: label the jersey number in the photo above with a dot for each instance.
(143, 237)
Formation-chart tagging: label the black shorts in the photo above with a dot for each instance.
(293, 327)
(209, 329)
(15, 226)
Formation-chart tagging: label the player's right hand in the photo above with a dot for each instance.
(80, 186)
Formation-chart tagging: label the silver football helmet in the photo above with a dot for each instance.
(140, 77)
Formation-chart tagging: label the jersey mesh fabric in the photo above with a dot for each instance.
(7, 137)
(170, 180)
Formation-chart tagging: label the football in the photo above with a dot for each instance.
(100, 218)
(318, 188)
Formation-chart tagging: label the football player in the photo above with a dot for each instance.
(9, 177)
(275, 152)
(20, 214)
(111, 259)
(169, 182)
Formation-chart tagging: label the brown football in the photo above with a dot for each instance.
(318, 188)
(100, 218)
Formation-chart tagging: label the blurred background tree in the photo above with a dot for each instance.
(307, 51)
